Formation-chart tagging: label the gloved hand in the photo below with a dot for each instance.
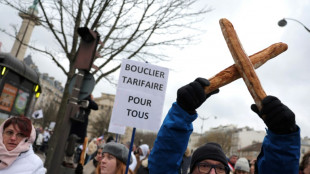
(278, 117)
(192, 95)
(79, 169)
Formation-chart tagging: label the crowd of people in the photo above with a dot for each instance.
(280, 152)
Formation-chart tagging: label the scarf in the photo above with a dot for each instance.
(8, 157)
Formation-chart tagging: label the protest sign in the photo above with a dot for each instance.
(140, 95)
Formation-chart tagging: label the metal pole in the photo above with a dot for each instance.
(203, 119)
(130, 149)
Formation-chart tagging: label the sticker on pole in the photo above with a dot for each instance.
(140, 95)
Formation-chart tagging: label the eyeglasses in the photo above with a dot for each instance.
(206, 168)
(10, 133)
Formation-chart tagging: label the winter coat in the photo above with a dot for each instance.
(26, 163)
(171, 142)
(280, 153)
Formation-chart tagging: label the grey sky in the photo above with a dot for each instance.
(286, 76)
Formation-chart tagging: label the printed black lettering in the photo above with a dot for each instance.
(127, 67)
(146, 115)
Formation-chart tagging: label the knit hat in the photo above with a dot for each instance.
(243, 165)
(118, 150)
(212, 151)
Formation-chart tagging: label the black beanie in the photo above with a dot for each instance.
(211, 151)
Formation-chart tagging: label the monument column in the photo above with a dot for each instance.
(30, 19)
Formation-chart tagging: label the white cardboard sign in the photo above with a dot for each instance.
(140, 95)
(116, 128)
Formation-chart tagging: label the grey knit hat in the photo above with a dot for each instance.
(118, 150)
(243, 165)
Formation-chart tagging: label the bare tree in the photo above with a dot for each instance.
(142, 137)
(99, 125)
(130, 29)
(222, 138)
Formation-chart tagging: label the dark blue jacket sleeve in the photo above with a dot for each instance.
(171, 142)
(279, 153)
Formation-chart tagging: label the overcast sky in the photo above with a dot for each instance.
(286, 76)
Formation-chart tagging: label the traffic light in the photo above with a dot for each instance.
(87, 49)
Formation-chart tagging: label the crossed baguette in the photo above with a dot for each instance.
(244, 66)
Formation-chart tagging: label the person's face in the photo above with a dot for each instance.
(252, 168)
(307, 169)
(212, 171)
(140, 151)
(12, 137)
(108, 164)
(233, 159)
(99, 155)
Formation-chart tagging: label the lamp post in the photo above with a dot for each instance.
(203, 120)
(283, 22)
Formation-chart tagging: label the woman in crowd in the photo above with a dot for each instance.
(114, 159)
(16, 154)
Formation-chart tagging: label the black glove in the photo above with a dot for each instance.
(79, 169)
(278, 117)
(192, 95)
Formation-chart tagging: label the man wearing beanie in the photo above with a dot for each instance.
(281, 144)
(209, 154)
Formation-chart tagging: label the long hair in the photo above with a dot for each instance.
(120, 168)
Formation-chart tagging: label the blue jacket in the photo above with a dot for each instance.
(280, 153)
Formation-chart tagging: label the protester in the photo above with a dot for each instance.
(232, 161)
(304, 167)
(252, 166)
(39, 140)
(91, 149)
(90, 167)
(110, 139)
(78, 129)
(281, 142)
(114, 159)
(133, 163)
(16, 153)
(141, 155)
(46, 137)
(186, 161)
(242, 166)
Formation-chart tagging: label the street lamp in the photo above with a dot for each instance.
(283, 22)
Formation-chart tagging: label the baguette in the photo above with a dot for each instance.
(231, 73)
(242, 62)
